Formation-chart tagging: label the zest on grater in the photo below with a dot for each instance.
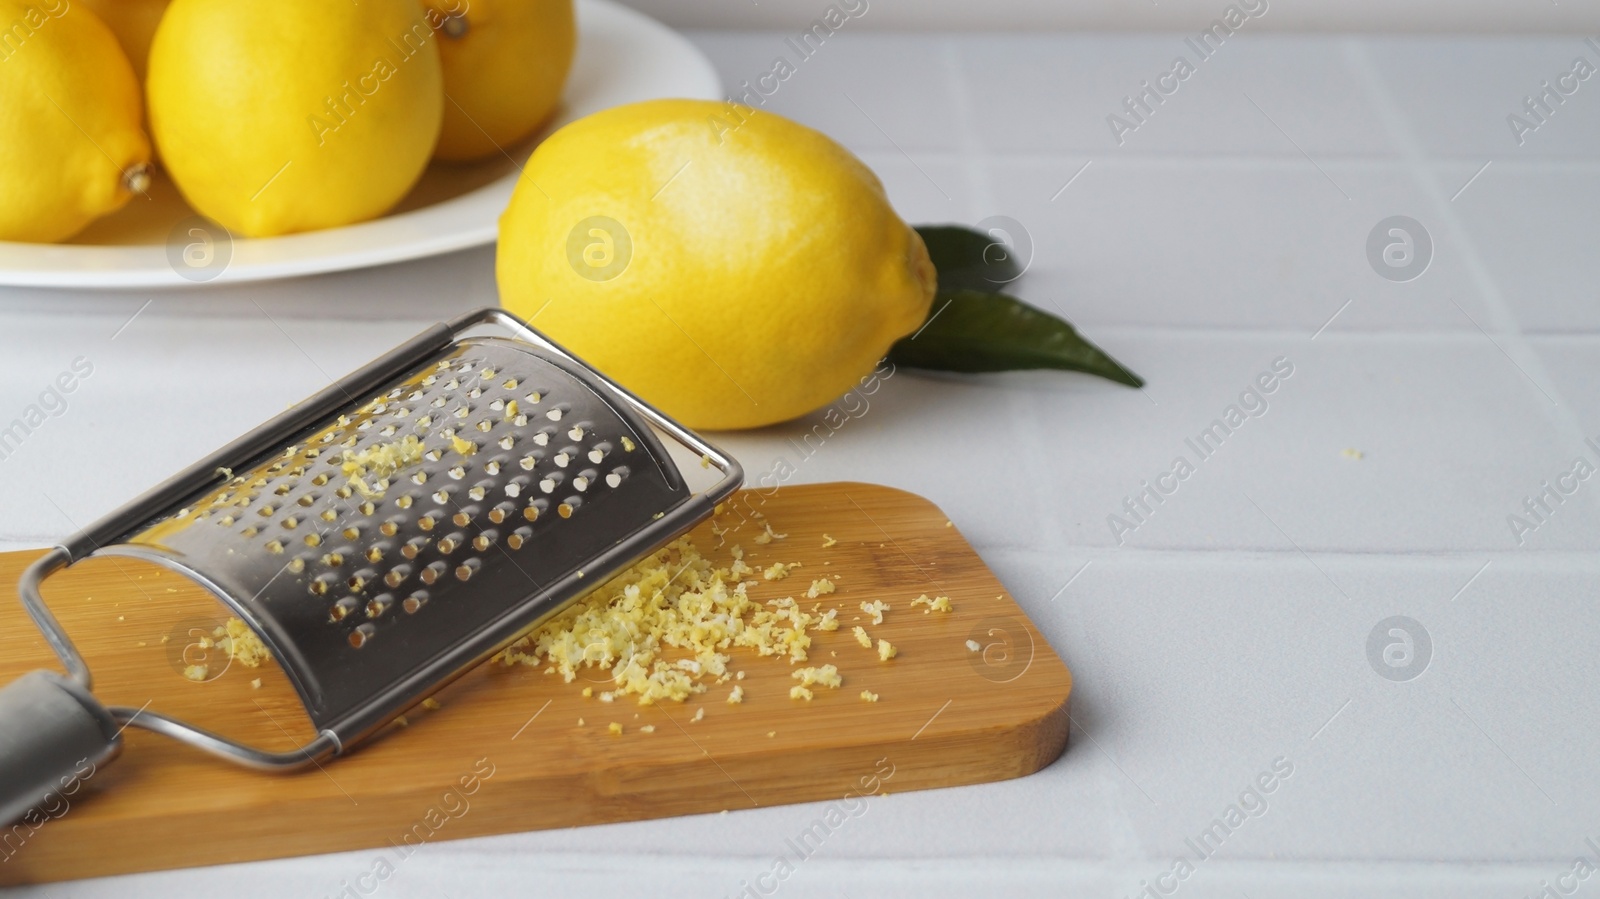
(382, 538)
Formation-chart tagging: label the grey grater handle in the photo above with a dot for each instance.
(53, 734)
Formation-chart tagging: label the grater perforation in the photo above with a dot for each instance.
(458, 553)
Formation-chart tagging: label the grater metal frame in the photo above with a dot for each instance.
(207, 472)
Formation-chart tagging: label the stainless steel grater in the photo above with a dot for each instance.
(382, 538)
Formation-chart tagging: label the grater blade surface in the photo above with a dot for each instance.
(414, 533)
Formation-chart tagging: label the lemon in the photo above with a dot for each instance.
(276, 116)
(69, 109)
(133, 22)
(505, 62)
(732, 267)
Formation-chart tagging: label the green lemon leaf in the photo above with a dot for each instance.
(977, 331)
(968, 259)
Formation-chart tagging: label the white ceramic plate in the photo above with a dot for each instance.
(623, 56)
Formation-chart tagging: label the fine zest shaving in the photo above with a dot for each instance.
(674, 599)
(379, 462)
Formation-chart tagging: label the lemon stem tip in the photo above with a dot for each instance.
(137, 178)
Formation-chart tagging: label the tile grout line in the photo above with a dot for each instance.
(1465, 333)
(1553, 559)
(202, 326)
(910, 866)
(978, 182)
(1580, 558)
(1125, 842)
(1276, 161)
(972, 154)
(976, 166)
(1415, 160)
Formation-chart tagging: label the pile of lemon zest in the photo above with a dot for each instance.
(665, 629)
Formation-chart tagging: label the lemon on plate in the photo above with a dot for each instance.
(70, 112)
(505, 63)
(731, 266)
(277, 116)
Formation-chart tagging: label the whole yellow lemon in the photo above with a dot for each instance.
(731, 266)
(134, 23)
(505, 62)
(276, 116)
(73, 149)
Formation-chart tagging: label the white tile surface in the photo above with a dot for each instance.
(1533, 226)
(1424, 16)
(871, 91)
(1232, 243)
(1230, 628)
(1249, 97)
(1571, 362)
(1458, 91)
(925, 188)
(1453, 436)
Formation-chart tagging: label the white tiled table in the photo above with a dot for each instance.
(1228, 630)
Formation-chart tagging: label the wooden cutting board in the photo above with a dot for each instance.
(505, 751)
